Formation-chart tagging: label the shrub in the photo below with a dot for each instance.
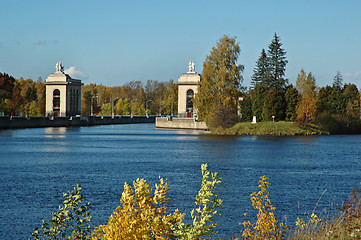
(72, 221)
(143, 214)
(266, 226)
(223, 117)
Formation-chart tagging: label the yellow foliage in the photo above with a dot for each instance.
(266, 226)
(142, 215)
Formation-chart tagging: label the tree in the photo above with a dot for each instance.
(86, 102)
(338, 80)
(246, 108)
(352, 100)
(323, 99)
(221, 80)
(170, 102)
(258, 101)
(273, 105)
(291, 99)
(6, 86)
(337, 100)
(261, 73)
(306, 107)
(277, 65)
(41, 96)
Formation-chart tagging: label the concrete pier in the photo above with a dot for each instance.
(179, 123)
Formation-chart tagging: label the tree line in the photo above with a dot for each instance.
(20, 97)
(222, 100)
(133, 98)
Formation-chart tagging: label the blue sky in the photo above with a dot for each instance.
(114, 42)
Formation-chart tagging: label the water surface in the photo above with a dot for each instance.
(38, 165)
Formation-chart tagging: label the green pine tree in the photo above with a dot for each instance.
(261, 73)
(352, 100)
(277, 63)
(291, 99)
(246, 108)
(273, 105)
(338, 80)
(258, 94)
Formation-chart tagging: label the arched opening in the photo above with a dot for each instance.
(189, 103)
(56, 102)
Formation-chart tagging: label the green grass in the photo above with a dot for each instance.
(271, 129)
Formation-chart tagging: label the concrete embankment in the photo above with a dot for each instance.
(179, 123)
(31, 122)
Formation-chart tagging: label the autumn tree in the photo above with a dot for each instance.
(6, 90)
(220, 83)
(277, 64)
(306, 107)
(170, 99)
(41, 96)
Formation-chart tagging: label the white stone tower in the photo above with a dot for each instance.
(187, 89)
(63, 94)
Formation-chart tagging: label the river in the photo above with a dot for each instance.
(39, 164)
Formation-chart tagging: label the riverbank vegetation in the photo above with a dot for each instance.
(144, 214)
(281, 128)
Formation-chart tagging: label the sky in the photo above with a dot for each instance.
(114, 42)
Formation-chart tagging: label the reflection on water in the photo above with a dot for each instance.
(55, 132)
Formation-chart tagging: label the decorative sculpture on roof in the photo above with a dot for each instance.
(59, 67)
(191, 67)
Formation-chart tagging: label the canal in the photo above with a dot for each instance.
(39, 164)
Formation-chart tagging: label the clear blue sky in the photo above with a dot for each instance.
(114, 42)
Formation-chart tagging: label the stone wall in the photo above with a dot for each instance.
(179, 123)
(31, 122)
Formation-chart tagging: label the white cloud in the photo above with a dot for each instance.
(355, 75)
(75, 73)
(38, 42)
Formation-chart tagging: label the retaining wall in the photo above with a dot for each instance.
(179, 123)
(31, 122)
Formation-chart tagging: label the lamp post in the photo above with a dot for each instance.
(160, 108)
(131, 107)
(171, 111)
(91, 105)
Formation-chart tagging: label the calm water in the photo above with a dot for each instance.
(38, 165)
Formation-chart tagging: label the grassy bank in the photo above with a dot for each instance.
(271, 129)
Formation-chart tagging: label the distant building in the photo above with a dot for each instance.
(63, 94)
(187, 89)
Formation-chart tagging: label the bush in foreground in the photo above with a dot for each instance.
(143, 214)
